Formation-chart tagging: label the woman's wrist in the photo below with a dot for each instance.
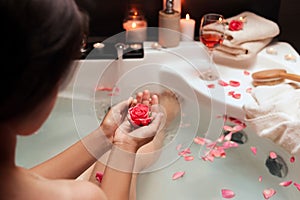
(131, 148)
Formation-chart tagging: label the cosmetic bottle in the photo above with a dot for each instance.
(169, 26)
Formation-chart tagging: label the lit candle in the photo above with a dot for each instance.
(290, 57)
(136, 30)
(187, 28)
(271, 50)
(176, 3)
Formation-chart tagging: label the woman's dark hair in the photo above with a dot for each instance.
(39, 41)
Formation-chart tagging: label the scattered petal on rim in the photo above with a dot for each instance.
(236, 95)
(249, 90)
(228, 194)
(286, 183)
(211, 85)
(246, 73)
(222, 83)
(178, 175)
(234, 83)
(268, 193)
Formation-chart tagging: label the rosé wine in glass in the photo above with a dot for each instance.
(211, 38)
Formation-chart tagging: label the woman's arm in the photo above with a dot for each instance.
(72, 162)
(77, 158)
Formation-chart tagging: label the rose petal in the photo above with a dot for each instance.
(249, 90)
(260, 178)
(99, 176)
(246, 73)
(211, 85)
(268, 193)
(297, 185)
(107, 89)
(230, 93)
(286, 183)
(178, 175)
(200, 140)
(230, 144)
(188, 158)
(292, 159)
(227, 194)
(254, 150)
(273, 155)
(236, 95)
(178, 147)
(222, 83)
(234, 83)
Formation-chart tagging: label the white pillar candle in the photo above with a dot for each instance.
(187, 28)
(177, 5)
(136, 30)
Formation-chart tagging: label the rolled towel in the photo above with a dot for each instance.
(243, 45)
(275, 114)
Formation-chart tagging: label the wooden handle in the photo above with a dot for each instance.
(293, 77)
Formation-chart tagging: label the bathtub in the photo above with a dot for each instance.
(81, 106)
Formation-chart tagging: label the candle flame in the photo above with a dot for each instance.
(187, 17)
(133, 25)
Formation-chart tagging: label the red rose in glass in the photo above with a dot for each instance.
(236, 25)
(139, 115)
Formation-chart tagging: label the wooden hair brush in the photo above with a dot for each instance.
(272, 77)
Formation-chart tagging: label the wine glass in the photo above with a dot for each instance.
(211, 34)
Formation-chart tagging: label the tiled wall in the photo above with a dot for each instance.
(107, 16)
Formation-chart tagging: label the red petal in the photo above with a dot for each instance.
(211, 85)
(178, 147)
(292, 159)
(249, 90)
(230, 144)
(234, 83)
(230, 93)
(107, 89)
(188, 158)
(268, 193)
(227, 194)
(286, 183)
(236, 95)
(222, 83)
(178, 175)
(99, 176)
(246, 73)
(297, 185)
(200, 140)
(273, 155)
(260, 178)
(254, 150)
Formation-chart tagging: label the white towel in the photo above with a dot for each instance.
(240, 47)
(276, 115)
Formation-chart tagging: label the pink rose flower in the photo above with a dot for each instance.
(139, 115)
(236, 25)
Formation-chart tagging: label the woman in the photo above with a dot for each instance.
(41, 38)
